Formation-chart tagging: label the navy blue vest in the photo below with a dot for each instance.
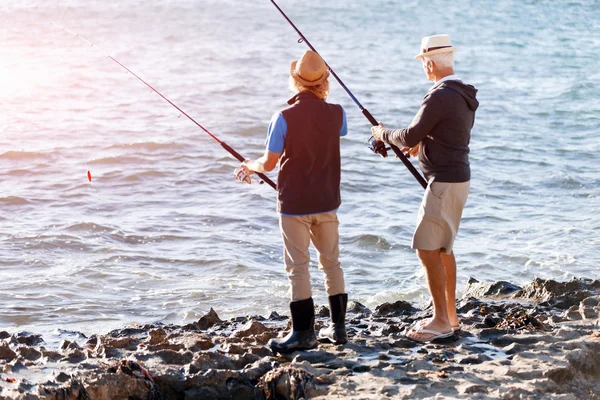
(309, 167)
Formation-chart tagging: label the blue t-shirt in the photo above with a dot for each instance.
(278, 129)
(276, 137)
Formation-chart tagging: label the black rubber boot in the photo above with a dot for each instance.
(336, 331)
(302, 336)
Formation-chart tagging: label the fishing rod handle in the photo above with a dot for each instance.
(398, 153)
(242, 159)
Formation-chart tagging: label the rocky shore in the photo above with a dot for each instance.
(533, 342)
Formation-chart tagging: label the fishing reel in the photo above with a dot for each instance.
(377, 146)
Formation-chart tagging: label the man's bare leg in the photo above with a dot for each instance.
(450, 266)
(436, 279)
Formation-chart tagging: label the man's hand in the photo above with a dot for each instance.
(412, 151)
(243, 173)
(377, 132)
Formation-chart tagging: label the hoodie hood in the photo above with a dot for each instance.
(468, 92)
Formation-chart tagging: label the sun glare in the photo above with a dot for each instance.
(19, 82)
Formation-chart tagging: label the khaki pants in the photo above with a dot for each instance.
(297, 233)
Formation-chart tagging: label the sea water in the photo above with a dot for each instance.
(163, 232)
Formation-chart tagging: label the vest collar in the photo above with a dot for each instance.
(302, 96)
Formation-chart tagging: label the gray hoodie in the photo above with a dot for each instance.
(443, 128)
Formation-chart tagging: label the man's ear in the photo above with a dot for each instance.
(430, 65)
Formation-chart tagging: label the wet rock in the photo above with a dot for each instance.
(208, 320)
(4, 335)
(420, 365)
(62, 377)
(274, 316)
(559, 294)
(560, 375)
(206, 361)
(514, 348)
(354, 307)
(198, 343)
(314, 357)
(75, 356)
(156, 336)
(321, 311)
(28, 339)
(260, 367)
(472, 389)
(6, 353)
(479, 290)
(207, 393)
(29, 353)
(251, 328)
(287, 383)
(51, 354)
(475, 359)
(396, 309)
(175, 357)
(68, 345)
(389, 390)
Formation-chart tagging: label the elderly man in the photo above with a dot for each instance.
(440, 135)
(305, 140)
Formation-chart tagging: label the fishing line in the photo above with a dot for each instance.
(88, 172)
(365, 112)
(223, 144)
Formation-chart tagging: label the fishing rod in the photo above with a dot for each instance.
(223, 144)
(366, 113)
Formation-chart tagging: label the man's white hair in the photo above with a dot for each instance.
(442, 60)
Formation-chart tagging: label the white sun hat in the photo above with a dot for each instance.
(436, 44)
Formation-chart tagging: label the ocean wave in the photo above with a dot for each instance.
(116, 160)
(369, 240)
(151, 146)
(22, 155)
(14, 200)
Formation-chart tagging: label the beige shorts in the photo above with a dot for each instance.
(439, 215)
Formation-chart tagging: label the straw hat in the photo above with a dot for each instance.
(310, 70)
(436, 44)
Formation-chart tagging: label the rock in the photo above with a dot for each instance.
(321, 311)
(396, 309)
(500, 289)
(475, 359)
(251, 328)
(560, 375)
(354, 307)
(514, 348)
(175, 357)
(29, 353)
(472, 389)
(75, 356)
(314, 357)
(6, 353)
(361, 368)
(205, 393)
(260, 367)
(68, 345)
(210, 360)
(199, 343)
(156, 336)
(62, 377)
(4, 335)
(51, 354)
(28, 339)
(559, 294)
(389, 390)
(287, 383)
(208, 320)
